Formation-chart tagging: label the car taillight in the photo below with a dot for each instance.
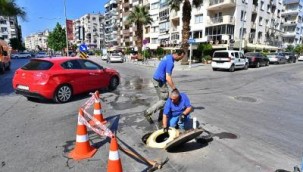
(253, 58)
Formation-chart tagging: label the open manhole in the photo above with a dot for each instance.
(245, 99)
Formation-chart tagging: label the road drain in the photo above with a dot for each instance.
(245, 99)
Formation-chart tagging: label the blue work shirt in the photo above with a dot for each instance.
(174, 110)
(166, 66)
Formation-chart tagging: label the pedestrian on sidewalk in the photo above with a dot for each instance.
(162, 77)
(176, 111)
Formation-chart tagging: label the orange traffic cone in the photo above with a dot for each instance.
(83, 149)
(97, 110)
(114, 162)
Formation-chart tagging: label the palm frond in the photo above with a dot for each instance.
(10, 8)
(197, 3)
(175, 4)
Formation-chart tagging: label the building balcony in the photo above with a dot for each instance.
(253, 25)
(164, 18)
(289, 34)
(291, 1)
(290, 23)
(174, 15)
(228, 19)
(175, 29)
(254, 9)
(290, 11)
(221, 4)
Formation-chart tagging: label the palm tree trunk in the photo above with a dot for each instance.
(186, 29)
(139, 37)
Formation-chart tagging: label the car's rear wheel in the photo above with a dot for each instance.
(215, 69)
(232, 68)
(246, 66)
(113, 83)
(258, 65)
(266, 63)
(63, 94)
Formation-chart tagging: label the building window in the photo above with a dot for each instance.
(154, 40)
(243, 15)
(199, 18)
(260, 21)
(262, 6)
(175, 36)
(2, 21)
(3, 29)
(197, 34)
(154, 6)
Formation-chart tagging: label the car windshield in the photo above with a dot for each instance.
(115, 54)
(37, 65)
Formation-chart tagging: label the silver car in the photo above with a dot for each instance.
(277, 58)
(116, 57)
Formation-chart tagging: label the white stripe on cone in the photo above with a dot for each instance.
(113, 155)
(97, 112)
(82, 138)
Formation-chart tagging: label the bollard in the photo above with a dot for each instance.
(194, 122)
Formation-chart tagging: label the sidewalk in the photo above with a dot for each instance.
(178, 67)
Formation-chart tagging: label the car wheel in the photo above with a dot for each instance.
(246, 66)
(232, 68)
(63, 94)
(215, 69)
(113, 83)
(266, 63)
(257, 65)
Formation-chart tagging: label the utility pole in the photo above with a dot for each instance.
(66, 28)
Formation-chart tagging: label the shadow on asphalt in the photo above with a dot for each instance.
(189, 146)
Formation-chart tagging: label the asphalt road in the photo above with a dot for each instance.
(255, 115)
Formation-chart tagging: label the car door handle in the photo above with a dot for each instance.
(93, 74)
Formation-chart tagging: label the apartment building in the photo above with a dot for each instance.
(126, 32)
(9, 28)
(111, 23)
(293, 22)
(249, 24)
(93, 33)
(37, 41)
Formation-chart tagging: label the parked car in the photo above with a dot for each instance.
(61, 78)
(104, 57)
(257, 59)
(5, 59)
(116, 57)
(41, 55)
(277, 58)
(229, 59)
(290, 57)
(300, 58)
(21, 55)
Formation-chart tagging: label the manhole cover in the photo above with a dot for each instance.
(245, 99)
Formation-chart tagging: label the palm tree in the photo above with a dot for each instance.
(186, 16)
(10, 8)
(140, 17)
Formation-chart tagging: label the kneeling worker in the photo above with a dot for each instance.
(176, 111)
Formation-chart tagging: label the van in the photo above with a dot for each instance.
(229, 59)
(5, 58)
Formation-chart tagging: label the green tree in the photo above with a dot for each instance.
(139, 16)
(57, 38)
(186, 17)
(10, 8)
(204, 49)
(298, 49)
(16, 44)
(289, 48)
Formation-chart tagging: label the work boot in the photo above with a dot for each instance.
(148, 117)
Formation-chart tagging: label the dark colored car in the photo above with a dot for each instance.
(291, 57)
(61, 78)
(256, 59)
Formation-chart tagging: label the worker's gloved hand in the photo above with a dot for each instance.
(165, 129)
(182, 117)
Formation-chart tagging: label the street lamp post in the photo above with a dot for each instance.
(66, 27)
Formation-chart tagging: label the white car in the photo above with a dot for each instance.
(104, 57)
(229, 59)
(116, 57)
(300, 58)
(41, 55)
(21, 55)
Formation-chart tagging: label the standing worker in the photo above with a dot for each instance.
(176, 111)
(163, 75)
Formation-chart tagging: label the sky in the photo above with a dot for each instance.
(44, 14)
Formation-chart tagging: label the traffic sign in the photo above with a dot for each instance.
(83, 48)
(191, 41)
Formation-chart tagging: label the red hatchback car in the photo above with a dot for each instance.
(60, 78)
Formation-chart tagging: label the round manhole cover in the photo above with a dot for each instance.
(245, 99)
